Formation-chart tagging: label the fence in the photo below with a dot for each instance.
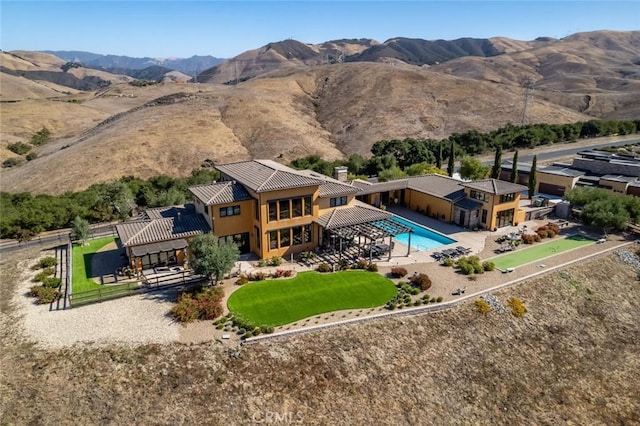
(111, 292)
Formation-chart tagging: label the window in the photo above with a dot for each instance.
(505, 218)
(256, 206)
(285, 240)
(284, 210)
(484, 216)
(258, 239)
(505, 198)
(477, 195)
(273, 240)
(206, 209)
(230, 211)
(273, 211)
(297, 235)
(296, 207)
(338, 201)
(307, 206)
(306, 234)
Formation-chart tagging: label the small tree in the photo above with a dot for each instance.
(497, 163)
(533, 179)
(439, 156)
(472, 168)
(212, 257)
(452, 160)
(514, 169)
(81, 229)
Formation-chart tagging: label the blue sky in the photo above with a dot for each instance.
(228, 28)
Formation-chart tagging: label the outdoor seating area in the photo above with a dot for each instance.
(451, 253)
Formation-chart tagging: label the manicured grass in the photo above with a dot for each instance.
(540, 251)
(82, 275)
(277, 302)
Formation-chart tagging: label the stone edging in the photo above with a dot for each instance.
(423, 309)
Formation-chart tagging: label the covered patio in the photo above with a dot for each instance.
(361, 227)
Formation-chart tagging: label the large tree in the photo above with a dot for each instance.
(472, 168)
(452, 159)
(514, 169)
(497, 163)
(212, 257)
(533, 178)
(80, 228)
(439, 156)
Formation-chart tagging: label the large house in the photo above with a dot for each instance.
(273, 210)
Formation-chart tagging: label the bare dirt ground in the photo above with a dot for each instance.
(573, 359)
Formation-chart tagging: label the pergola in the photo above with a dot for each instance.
(360, 223)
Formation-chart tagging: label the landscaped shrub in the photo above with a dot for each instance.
(242, 279)
(270, 330)
(47, 262)
(417, 302)
(51, 282)
(42, 275)
(482, 306)
(275, 261)
(324, 267)
(248, 334)
(470, 265)
(262, 263)
(528, 238)
(283, 273)
(361, 264)
(343, 264)
(44, 294)
(422, 281)
(537, 238)
(448, 261)
(439, 299)
(204, 305)
(488, 266)
(517, 307)
(19, 148)
(398, 272)
(372, 267)
(257, 276)
(307, 256)
(219, 326)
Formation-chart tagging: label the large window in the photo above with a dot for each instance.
(258, 236)
(505, 218)
(484, 216)
(296, 207)
(230, 211)
(256, 206)
(285, 237)
(478, 195)
(505, 198)
(306, 236)
(241, 240)
(307, 206)
(285, 212)
(273, 211)
(273, 240)
(297, 235)
(338, 201)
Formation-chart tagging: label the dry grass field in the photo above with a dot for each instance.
(572, 359)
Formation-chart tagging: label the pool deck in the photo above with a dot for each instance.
(475, 240)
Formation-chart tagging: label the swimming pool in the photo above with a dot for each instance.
(422, 238)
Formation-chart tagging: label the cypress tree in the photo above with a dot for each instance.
(533, 180)
(514, 170)
(452, 160)
(439, 156)
(497, 163)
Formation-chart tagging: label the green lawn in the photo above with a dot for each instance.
(82, 275)
(540, 251)
(277, 302)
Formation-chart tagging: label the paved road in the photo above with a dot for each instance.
(573, 150)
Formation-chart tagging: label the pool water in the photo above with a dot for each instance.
(422, 238)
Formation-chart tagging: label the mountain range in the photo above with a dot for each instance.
(289, 99)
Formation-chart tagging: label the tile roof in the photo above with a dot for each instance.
(495, 186)
(153, 231)
(373, 187)
(266, 175)
(171, 211)
(330, 187)
(347, 216)
(619, 178)
(220, 193)
(438, 185)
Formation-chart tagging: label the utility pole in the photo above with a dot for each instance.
(529, 86)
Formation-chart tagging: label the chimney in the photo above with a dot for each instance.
(340, 173)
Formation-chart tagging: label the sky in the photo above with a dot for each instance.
(225, 29)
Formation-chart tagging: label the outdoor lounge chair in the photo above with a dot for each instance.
(463, 250)
(437, 255)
